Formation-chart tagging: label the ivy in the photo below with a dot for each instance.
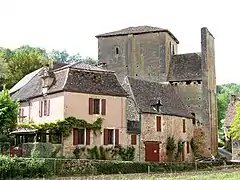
(179, 148)
(171, 146)
(64, 126)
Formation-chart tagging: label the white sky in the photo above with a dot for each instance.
(73, 24)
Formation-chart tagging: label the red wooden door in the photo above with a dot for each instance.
(152, 151)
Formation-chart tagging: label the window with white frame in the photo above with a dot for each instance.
(111, 136)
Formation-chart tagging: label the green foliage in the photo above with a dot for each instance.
(223, 98)
(63, 56)
(22, 61)
(42, 150)
(33, 168)
(126, 154)
(65, 126)
(171, 146)
(101, 153)
(8, 112)
(23, 168)
(180, 147)
(235, 126)
(5, 143)
(197, 142)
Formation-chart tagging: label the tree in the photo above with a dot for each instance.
(61, 56)
(8, 112)
(23, 61)
(3, 69)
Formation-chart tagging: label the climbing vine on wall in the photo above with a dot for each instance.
(64, 126)
(180, 148)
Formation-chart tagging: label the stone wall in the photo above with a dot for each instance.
(209, 112)
(144, 56)
(171, 126)
(235, 150)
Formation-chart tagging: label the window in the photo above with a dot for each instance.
(133, 139)
(159, 123)
(116, 51)
(21, 115)
(111, 136)
(97, 106)
(194, 120)
(188, 147)
(44, 108)
(184, 126)
(173, 50)
(81, 136)
(170, 50)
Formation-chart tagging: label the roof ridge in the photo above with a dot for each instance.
(65, 81)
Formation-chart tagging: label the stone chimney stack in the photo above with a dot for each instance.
(47, 79)
(102, 65)
(233, 98)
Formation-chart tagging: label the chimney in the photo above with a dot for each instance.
(102, 65)
(233, 98)
(47, 79)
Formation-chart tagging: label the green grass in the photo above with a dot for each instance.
(226, 174)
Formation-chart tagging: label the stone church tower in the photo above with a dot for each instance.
(151, 53)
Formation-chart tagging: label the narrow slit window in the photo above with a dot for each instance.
(117, 50)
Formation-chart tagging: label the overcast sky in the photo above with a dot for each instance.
(73, 24)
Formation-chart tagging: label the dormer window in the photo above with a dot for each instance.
(156, 106)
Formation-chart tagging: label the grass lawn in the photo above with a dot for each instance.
(224, 174)
(227, 174)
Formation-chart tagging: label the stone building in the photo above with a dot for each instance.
(231, 112)
(151, 54)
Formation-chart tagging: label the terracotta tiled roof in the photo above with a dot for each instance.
(184, 67)
(74, 80)
(137, 30)
(147, 93)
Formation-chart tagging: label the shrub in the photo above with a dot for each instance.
(32, 167)
(20, 167)
(42, 150)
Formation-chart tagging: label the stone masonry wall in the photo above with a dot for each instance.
(171, 126)
(209, 112)
(142, 56)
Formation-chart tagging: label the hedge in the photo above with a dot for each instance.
(27, 167)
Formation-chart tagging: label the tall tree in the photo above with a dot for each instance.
(23, 61)
(8, 112)
(61, 56)
(3, 70)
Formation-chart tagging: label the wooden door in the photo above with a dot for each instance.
(152, 151)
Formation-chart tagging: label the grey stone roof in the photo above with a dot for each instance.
(147, 93)
(73, 80)
(184, 67)
(137, 30)
(84, 66)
